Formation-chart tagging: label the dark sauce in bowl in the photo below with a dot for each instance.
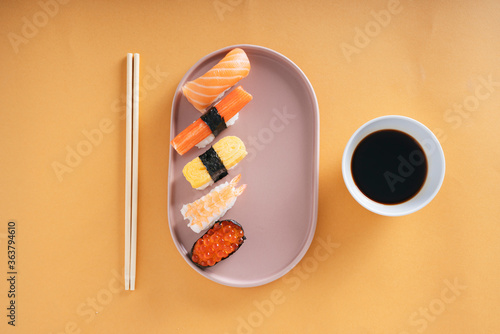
(389, 166)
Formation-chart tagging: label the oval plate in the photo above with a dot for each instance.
(278, 210)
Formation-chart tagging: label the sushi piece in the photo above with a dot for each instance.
(203, 212)
(213, 165)
(208, 88)
(210, 124)
(218, 243)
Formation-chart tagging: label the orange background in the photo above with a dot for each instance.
(66, 77)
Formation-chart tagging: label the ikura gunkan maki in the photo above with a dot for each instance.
(222, 240)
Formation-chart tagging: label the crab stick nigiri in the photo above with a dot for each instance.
(209, 125)
(213, 165)
(205, 90)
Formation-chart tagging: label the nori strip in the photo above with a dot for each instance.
(213, 164)
(214, 121)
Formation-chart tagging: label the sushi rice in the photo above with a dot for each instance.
(211, 137)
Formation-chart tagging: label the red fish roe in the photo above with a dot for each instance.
(223, 239)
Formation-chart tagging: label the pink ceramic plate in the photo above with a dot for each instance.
(278, 210)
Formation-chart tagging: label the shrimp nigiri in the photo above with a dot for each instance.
(203, 212)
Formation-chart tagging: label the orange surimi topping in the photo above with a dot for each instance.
(199, 130)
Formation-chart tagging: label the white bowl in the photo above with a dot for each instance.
(435, 164)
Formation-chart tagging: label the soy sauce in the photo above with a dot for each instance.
(389, 166)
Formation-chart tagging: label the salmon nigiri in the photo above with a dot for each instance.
(208, 88)
(203, 212)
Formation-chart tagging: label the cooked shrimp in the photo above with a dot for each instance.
(203, 212)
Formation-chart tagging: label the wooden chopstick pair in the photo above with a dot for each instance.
(131, 168)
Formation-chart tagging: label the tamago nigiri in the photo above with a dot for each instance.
(214, 164)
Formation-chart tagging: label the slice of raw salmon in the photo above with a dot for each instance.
(208, 88)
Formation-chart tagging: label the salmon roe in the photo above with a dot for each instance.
(223, 239)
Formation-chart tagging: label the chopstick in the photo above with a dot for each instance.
(135, 166)
(128, 170)
(131, 168)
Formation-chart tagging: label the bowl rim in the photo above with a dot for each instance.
(406, 207)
